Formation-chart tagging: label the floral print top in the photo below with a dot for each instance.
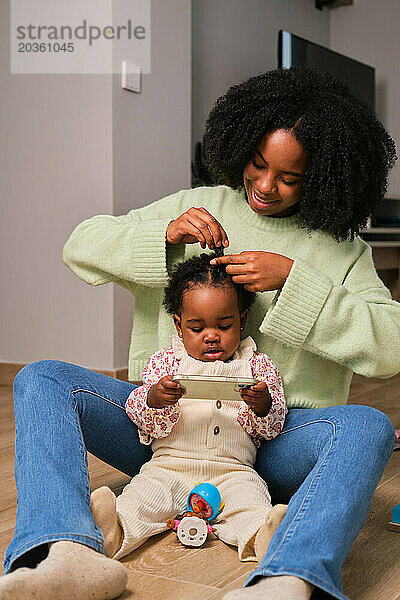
(156, 423)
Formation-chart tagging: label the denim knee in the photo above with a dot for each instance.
(369, 425)
(30, 373)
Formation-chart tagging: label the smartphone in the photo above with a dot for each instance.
(213, 387)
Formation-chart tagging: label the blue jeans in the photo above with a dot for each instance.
(327, 461)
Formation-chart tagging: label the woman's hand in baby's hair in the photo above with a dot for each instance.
(258, 398)
(197, 225)
(164, 393)
(258, 271)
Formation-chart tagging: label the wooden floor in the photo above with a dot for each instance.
(165, 569)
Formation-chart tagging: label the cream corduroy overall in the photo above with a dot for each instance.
(207, 444)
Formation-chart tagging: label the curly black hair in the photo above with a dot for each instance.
(349, 151)
(196, 271)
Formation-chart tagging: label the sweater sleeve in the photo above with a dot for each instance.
(153, 423)
(355, 324)
(271, 425)
(128, 249)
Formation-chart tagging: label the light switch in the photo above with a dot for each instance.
(131, 77)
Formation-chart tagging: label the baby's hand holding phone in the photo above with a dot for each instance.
(164, 393)
(258, 398)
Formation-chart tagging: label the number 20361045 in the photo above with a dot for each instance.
(45, 47)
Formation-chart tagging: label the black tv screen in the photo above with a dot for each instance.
(294, 51)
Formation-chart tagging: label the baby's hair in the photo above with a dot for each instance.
(349, 151)
(197, 271)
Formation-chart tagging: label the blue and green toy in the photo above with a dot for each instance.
(206, 499)
(394, 524)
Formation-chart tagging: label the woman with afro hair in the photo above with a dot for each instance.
(305, 165)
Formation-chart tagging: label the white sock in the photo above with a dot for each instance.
(265, 533)
(71, 571)
(282, 587)
(104, 511)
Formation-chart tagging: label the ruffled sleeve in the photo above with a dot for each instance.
(153, 423)
(271, 425)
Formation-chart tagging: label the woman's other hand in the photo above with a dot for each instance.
(258, 271)
(258, 398)
(164, 393)
(197, 225)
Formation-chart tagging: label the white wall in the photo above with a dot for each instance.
(369, 31)
(234, 39)
(151, 135)
(72, 147)
(55, 170)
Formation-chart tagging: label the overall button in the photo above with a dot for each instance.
(219, 403)
(216, 430)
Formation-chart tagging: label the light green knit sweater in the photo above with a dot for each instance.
(332, 317)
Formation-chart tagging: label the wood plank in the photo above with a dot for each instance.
(372, 569)
(232, 585)
(164, 553)
(142, 586)
(391, 471)
(8, 372)
(361, 385)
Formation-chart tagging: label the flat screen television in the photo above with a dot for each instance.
(294, 51)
